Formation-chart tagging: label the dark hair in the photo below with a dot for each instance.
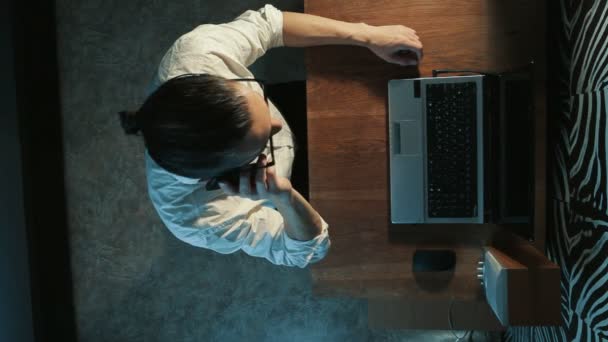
(189, 122)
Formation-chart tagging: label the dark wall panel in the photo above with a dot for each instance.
(15, 308)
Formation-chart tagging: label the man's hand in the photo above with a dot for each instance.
(264, 184)
(396, 44)
(302, 222)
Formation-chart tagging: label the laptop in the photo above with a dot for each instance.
(461, 149)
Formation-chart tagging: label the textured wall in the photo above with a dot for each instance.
(577, 238)
(133, 280)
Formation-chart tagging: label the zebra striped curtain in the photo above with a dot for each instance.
(577, 237)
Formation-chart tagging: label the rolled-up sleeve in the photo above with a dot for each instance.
(240, 41)
(260, 233)
(227, 224)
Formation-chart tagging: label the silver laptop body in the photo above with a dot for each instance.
(408, 150)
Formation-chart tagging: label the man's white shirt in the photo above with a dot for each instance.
(213, 219)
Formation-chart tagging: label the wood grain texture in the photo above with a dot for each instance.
(347, 132)
(431, 314)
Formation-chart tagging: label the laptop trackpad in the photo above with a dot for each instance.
(410, 132)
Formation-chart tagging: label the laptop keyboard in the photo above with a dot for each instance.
(451, 149)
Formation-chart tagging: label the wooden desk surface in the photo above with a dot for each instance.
(347, 137)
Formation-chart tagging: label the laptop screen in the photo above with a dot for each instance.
(516, 166)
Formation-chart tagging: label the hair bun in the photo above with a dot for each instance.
(128, 121)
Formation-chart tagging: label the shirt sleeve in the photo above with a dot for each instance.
(240, 41)
(226, 224)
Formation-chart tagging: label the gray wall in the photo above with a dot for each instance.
(15, 301)
(133, 281)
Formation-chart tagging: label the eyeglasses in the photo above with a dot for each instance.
(231, 176)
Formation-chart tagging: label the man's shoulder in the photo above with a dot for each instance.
(159, 178)
(176, 63)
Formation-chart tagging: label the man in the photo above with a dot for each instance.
(219, 155)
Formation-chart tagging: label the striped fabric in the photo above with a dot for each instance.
(577, 238)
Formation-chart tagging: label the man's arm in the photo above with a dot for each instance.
(302, 221)
(226, 224)
(394, 43)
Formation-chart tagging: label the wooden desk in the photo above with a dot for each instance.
(347, 130)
